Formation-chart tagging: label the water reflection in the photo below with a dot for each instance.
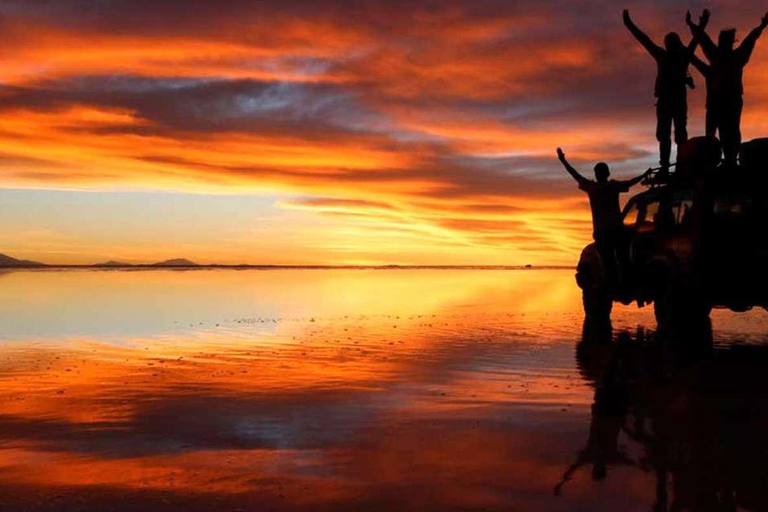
(112, 305)
(365, 391)
(697, 412)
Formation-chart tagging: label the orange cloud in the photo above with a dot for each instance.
(428, 110)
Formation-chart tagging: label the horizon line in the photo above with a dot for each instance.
(155, 266)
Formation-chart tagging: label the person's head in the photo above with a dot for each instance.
(726, 39)
(602, 172)
(672, 42)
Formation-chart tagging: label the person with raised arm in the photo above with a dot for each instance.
(725, 81)
(604, 202)
(672, 77)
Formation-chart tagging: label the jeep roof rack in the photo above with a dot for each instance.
(659, 176)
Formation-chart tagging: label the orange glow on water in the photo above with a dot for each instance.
(304, 388)
(366, 332)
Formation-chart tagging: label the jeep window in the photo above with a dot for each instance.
(631, 214)
(649, 217)
(732, 205)
(681, 209)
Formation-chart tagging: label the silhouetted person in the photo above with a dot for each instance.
(604, 202)
(671, 80)
(725, 82)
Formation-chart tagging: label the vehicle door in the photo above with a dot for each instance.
(662, 227)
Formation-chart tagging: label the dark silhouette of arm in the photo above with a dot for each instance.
(703, 22)
(692, 45)
(634, 181)
(748, 45)
(642, 37)
(700, 65)
(568, 167)
(582, 459)
(700, 35)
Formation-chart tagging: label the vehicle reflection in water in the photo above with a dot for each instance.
(363, 390)
(697, 412)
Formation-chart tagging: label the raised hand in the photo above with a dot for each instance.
(625, 15)
(764, 21)
(560, 154)
(688, 19)
(704, 18)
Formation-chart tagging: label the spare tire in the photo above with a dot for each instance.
(753, 154)
(697, 154)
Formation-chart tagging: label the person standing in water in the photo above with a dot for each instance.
(725, 81)
(672, 78)
(604, 202)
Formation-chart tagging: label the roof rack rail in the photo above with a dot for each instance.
(659, 176)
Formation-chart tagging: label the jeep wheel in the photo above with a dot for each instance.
(675, 306)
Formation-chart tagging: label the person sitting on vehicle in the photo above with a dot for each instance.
(725, 81)
(672, 77)
(604, 203)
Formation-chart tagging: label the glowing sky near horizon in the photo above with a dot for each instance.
(341, 132)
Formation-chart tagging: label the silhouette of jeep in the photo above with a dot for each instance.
(696, 239)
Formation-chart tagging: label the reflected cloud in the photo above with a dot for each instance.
(347, 389)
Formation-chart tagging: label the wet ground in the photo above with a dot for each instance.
(368, 390)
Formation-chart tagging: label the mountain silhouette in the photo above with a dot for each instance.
(7, 261)
(113, 263)
(177, 262)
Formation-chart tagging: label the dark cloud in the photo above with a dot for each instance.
(206, 105)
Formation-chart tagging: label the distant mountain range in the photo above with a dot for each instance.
(113, 263)
(183, 263)
(9, 262)
(178, 262)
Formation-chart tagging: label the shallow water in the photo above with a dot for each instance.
(368, 389)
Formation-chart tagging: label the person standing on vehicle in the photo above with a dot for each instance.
(672, 78)
(604, 202)
(725, 86)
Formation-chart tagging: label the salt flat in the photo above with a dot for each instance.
(367, 389)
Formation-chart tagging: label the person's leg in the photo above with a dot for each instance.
(621, 248)
(730, 131)
(737, 108)
(606, 248)
(711, 125)
(680, 119)
(664, 131)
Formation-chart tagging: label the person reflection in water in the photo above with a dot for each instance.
(598, 358)
(693, 413)
(604, 201)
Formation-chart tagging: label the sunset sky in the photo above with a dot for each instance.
(319, 132)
